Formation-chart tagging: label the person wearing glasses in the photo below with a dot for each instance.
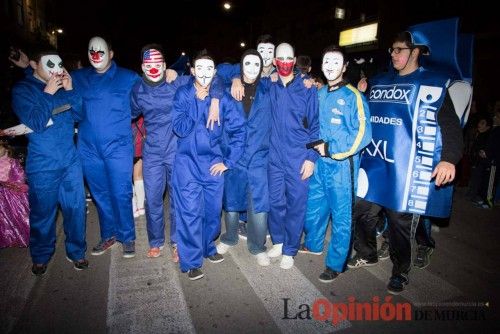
(408, 169)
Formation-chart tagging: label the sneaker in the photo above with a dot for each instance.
(81, 264)
(128, 249)
(136, 214)
(175, 254)
(358, 262)
(423, 258)
(216, 258)
(222, 248)
(39, 269)
(262, 259)
(328, 275)
(303, 249)
(103, 246)
(242, 230)
(154, 252)
(286, 262)
(275, 251)
(195, 274)
(383, 252)
(397, 284)
(141, 212)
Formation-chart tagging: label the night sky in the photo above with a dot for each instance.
(307, 24)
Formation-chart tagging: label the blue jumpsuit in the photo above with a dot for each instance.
(197, 194)
(345, 125)
(155, 103)
(105, 146)
(53, 168)
(294, 111)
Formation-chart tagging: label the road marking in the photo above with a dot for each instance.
(145, 295)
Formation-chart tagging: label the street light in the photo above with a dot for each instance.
(227, 6)
(242, 44)
(59, 31)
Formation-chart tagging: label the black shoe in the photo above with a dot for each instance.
(216, 258)
(423, 258)
(383, 252)
(242, 230)
(358, 262)
(328, 276)
(195, 274)
(128, 249)
(39, 269)
(103, 246)
(397, 284)
(81, 264)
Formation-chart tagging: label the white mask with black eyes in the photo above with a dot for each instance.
(52, 64)
(204, 71)
(333, 66)
(251, 67)
(266, 51)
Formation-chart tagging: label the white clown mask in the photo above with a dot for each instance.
(251, 66)
(285, 59)
(52, 65)
(266, 51)
(99, 53)
(333, 66)
(204, 71)
(153, 65)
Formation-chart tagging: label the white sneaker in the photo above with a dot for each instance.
(263, 259)
(286, 262)
(275, 251)
(136, 214)
(141, 212)
(222, 248)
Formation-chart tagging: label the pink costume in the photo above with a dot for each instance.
(14, 208)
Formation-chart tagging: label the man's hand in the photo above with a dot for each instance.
(321, 149)
(201, 92)
(213, 114)
(23, 61)
(307, 169)
(67, 82)
(482, 154)
(308, 83)
(444, 173)
(170, 75)
(237, 89)
(217, 169)
(274, 77)
(53, 84)
(362, 85)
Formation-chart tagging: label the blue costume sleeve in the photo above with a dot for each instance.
(357, 132)
(228, 72)
(135, 108)
(76, 102)
(183, 121)
(234, 127)
(182, 81)
(33, 110)
(313, 121)
(217, 88)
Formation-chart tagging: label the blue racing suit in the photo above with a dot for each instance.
(53, 168)
(344, 122)
(198, 194)
(105, 146)
(294, 123)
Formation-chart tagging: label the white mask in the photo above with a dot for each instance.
(204, 71)
(333, 66)
(52, 64)
(266, 51)
(153, 65)
(99, 53)
(251, 66)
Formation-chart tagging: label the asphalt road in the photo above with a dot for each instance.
(457, 293)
